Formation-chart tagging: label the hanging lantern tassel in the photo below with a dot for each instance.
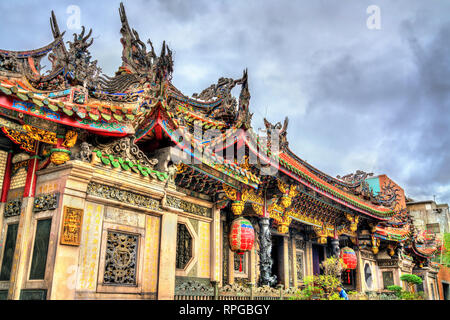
(348, 276)
(240, 261)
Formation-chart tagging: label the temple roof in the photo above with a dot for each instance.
(140, 100)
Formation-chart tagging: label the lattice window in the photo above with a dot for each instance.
(120, 258)
(388, 279)
(300, 265)
(433, 227)
(184, 246)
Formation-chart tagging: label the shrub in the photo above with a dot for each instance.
(322, 287)
(333, 266)
(396, 289)
(355, 295)
(411, 280)
(405, 295)
(388, 296)
(399, 293)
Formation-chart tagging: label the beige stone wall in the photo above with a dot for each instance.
(76, 271)
(3, 158)
(18, 180)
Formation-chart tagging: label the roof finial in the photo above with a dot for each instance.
(55, 27)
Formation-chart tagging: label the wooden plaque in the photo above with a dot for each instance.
(71, 226)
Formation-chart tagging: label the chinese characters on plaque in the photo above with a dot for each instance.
(71, 227)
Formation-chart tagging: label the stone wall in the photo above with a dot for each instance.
(443, 277)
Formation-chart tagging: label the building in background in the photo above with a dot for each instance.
(432, 218)
(124, 187)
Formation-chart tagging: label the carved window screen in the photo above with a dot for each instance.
(184, 246)
(388, 279)
(120, 259)
(300, 265)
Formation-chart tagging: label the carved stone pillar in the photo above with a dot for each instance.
(166, 280)
(24, 236)
(285, 262)
(335, 247)
(265, 260)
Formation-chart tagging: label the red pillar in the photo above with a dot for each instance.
(30, 183)
(7, 178)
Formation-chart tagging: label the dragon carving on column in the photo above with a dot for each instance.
(265, 259)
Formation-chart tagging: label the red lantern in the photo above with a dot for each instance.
(349, 258)
(241, 237)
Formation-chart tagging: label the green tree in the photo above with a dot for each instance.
(411, 280)
(446, 250)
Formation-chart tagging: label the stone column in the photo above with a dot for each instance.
(285, 280)
(358, 279)
(168, 252)
(215, 245)
(5, 188)
(230, 267)
(24, 233)
(294, 263)
(265, 260)
(253, 266)
(335, 247)
(68, 264)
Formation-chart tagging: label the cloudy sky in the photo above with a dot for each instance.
(357, 98)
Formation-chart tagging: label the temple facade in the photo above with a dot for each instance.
(123, 187)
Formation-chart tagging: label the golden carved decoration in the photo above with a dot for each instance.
(353, 219)
(283, 187)
(391, 249)
(181, 168)
(286, 201)
(70, 139)
(24, 140)
(71, 226)
(245, 165)
(59, 157)
(259, 210)
(279, 205)
(40, 135)
(282, 228)
(247, 195)
(375, 244)
(230, 192)
(321, 234)
(237, 207)
(256, 199)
